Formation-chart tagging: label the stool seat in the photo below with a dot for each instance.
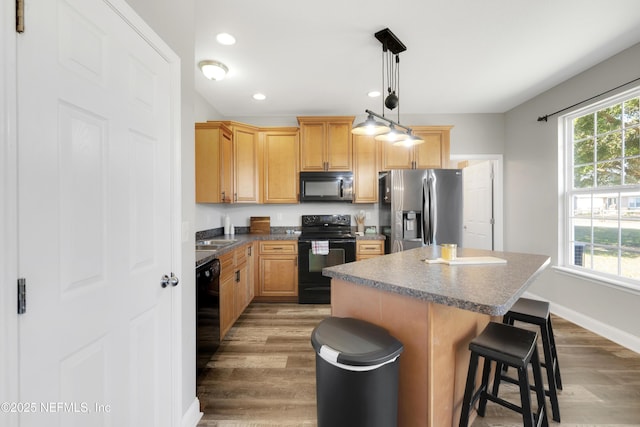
(509, 344)
(531, 308)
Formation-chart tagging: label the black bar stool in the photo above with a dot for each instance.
(512, 346)
(537, 313)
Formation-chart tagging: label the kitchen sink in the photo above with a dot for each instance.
(213, 244)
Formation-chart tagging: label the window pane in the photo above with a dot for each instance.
(609, 146)
(632, 111)
(630, 234)
(582, 206)
(583, 152)
(609, 173)
(605, 260)
(582, 232)
(632, 171)
(609, 118)
(583, 177)
(583, 127)
(606, 233)
(631, 265)
(632, 142)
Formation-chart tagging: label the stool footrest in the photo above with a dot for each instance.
(501, 401)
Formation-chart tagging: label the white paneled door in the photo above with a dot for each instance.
(478, 215)
(95, 225)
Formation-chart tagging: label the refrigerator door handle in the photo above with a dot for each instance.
(426, 212)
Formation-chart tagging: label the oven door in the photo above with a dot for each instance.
(313, 287)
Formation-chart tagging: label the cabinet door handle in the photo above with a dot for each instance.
(237, 276)
(223, 196)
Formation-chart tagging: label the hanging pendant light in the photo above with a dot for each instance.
(409, 141)
(391, 48)
(370, 127)
(393, 136)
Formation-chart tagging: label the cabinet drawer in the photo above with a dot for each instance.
(241, 255)
(227, 265)
(370, 247)
(278, 247)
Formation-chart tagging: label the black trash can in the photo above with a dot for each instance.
(356, 373)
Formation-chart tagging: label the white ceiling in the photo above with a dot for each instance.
(320, 57)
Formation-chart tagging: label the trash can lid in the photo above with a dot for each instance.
(356, 342)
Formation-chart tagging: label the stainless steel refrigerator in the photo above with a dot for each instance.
(420, 207)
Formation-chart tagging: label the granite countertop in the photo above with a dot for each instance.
(490, 289)
(240, 239)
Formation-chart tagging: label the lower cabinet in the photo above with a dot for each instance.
(236, 286)
(277, 270)
(369, 249)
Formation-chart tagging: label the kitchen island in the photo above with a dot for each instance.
(434, 309)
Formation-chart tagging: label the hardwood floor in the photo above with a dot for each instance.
(263, 375)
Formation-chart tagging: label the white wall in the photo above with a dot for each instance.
(531, 200)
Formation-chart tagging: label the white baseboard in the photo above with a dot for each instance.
(193, 414)
(616, 335)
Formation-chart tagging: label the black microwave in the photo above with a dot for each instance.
(326, 186)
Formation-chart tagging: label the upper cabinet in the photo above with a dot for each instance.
(214, 165)
(227, 163)
(246, 163)
(434, 152)
(280, 165)
(325, 143)
(365, 169)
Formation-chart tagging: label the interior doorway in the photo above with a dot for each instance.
(483, 200)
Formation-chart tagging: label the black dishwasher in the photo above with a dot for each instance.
(207, 312)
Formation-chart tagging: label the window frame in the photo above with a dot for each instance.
(566, 248)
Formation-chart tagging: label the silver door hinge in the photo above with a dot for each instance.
(22, 295)
(492, 221)
(20, 16)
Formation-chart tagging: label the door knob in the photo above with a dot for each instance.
(169, 280)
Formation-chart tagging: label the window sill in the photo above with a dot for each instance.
(594, 278)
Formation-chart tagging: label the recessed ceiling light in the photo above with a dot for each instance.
(259, 96)
(226, 39)
(373, 94)
(213, 70)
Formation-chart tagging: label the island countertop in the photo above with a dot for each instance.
(486, 288)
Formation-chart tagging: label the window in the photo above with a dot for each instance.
(602, 190)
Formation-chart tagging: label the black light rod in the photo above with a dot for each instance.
(388, 120)
(545, 117)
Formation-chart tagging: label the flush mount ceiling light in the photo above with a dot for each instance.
(391, 48)
(213, 70)
(259, 96)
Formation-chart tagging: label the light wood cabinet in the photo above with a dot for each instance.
(278, 269)
(325, 143)
(280, 165)
(246, 163)
(365, 169)
(214, 165)
(236, 286)
(227, 163)
(369, 249)
(227, 292)
(434, 152)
